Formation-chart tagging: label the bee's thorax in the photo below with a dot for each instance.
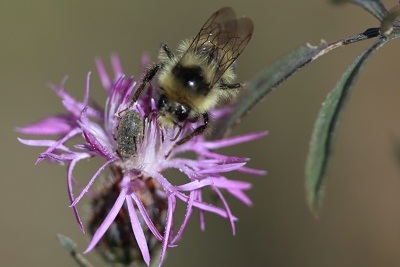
(191, 78)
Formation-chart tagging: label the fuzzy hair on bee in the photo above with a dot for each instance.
(182, 87)
(201, 74)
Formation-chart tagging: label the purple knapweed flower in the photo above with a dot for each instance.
(134, 193)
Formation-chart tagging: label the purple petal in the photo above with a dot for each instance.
(87, 90)
(252, 171)
(179, 163)
(64, 157)
(146, 217)
(189, 210)
(127, 96)
(225, 183)
(114, 100)
(170, 212)
(100, 148)
(234, 140)
(181, 166)
(59, 124)
(195, 185)
(153, 104)
(222, 168)
(202, 218)
(86, 189)
(145, 61)
(211, 162)
(166, 185)
(71, 194)
(138, 231)
(96, 137)
(240, 196)
(73, 106)
(219, 113)
(59, 90)
(107, 221)
(70, 104)
(228, 210)
(101, 70)
(235, 188)
(205, 206)
(210, 154)
(116, 65)
(56, 145)
(45, 143)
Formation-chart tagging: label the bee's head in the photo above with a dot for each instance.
(171, 112)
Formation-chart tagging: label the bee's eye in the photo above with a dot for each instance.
(162, 102)
(181, 113)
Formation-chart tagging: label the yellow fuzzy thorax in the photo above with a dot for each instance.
(174, 90)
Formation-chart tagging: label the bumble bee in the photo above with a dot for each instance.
(201, 74)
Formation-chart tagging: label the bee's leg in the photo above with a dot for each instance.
(197, 131)
(167, 51)
(178, 133)
(230, 86)
(146, 79)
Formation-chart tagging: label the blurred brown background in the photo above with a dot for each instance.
(41, 41)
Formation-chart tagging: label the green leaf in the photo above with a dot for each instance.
(322, 140)
(375, 7)
(70, 246)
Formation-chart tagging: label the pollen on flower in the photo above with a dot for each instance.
(133, 199)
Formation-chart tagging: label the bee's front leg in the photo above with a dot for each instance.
(146, 79)
(199, 130)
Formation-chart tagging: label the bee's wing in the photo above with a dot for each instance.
(212, 27)
(227, 35)
(232, 39)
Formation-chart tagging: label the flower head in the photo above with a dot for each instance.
(135, 193)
